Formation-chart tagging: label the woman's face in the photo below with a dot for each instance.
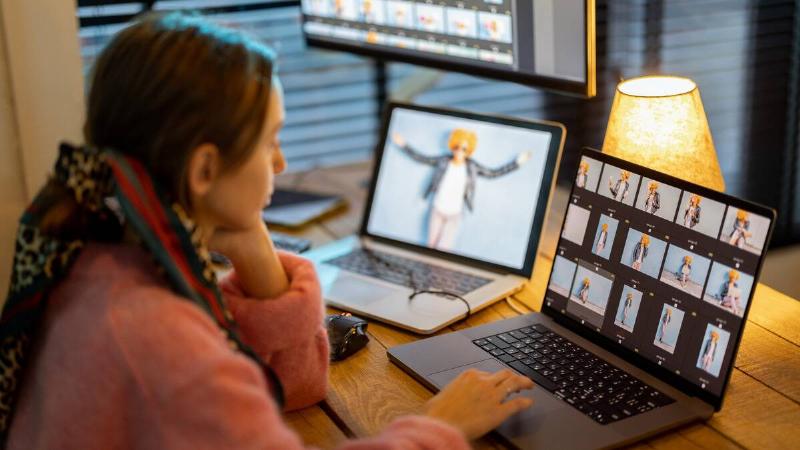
(460, 151)
(238, 195)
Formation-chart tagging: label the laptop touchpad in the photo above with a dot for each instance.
(441, 379)
(357, 291)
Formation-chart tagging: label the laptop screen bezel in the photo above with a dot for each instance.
(558, 133)
(630, 356)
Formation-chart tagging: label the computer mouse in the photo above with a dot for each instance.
(347, 334)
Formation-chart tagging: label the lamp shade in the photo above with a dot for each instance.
(659, 122)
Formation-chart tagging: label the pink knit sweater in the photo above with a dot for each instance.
(121, 362)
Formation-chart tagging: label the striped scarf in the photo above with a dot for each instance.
(113, 191)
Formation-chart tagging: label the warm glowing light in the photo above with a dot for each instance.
(659, 122)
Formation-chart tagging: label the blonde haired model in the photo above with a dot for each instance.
(640, 252)
(583, 174)
(691, 215)
(453, 184)
(601, 240)
(620, 188)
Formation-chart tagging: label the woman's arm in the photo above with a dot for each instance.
(401, 143)
(287, 330)
(258, 268)
(488, 172)
(197, 393)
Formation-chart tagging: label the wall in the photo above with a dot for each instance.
(12, 190)
(41, 103)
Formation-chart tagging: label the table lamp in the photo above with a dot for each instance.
(659, 122)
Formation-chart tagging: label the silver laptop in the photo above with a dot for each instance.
(452, 221)
(642, 316)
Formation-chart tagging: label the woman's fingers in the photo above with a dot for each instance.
(514, 406)
(498, 377)
(514, 383)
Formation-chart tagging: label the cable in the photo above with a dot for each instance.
(444, 294)
(412, 283)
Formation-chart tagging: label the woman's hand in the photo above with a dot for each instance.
(398, 140)
(475, 402)
(258, 268)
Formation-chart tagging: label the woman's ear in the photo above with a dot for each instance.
(202, 169)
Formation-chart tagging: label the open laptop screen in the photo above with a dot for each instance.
(463, 184)
(659, 266)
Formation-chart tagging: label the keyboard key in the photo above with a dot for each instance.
(507, 358)
(538, 379)
(507, 338)
(494, 340)
(518, 335)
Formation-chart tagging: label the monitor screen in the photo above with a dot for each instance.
(464, 186)
(545, 43)
(660, 266)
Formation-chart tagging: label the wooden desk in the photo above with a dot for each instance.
(762, 405)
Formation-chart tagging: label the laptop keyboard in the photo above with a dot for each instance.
(407, 272)
(591, 385)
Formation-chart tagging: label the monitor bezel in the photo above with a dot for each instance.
(664, 374)
(585, 89)
(558, 132)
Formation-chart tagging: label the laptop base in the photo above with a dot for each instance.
(551, 422)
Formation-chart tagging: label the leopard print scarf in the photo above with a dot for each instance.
(114, 191)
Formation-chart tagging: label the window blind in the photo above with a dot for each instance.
(743, 54)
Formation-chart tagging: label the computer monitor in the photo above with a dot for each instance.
(543, 43)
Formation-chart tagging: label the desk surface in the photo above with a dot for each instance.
(761, 408)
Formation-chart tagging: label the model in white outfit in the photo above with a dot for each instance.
(619, 190)
(730, 295)
(583, 175)
(741, 227)
(685, 270)
(691, 216)
(640, 252)
(666, 318)
(653, 202)
(453, 183)
(601, 240)
(709, 351)
(627, 308)
(583, 294)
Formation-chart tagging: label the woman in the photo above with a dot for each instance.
(709, 351)
(691, 215)
(626, 309)
(666, 318)
(583, 175)
(640, 252)
(115, 317)
(741, 230)
(730, 295)
(601, 240)
(653, 201)
(452, 187)
(619, 189)
(685, 270)
(583, 292)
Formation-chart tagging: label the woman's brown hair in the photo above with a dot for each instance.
(169, 83)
